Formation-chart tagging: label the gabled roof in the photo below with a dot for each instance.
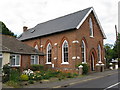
(64, 23)
(12, 45)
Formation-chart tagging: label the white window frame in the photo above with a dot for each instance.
(84, 52)
(34, 57)
(47, 54)
(91, 27)
(15, 60)
(99, 53)
(63, 62)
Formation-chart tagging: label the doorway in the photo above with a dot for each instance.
(92, 58)
(1, 60)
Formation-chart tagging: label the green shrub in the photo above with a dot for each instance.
(5, 78)
(14, 75)
(61, 75)
(36, 67)
(69, 75)
(46, 76)
(31, 82)
(6, 71)
(24, 77)
(75, 74)
(85, 67)
(35, 77)
(31, 77)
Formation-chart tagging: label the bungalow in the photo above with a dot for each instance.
(68, 40)
(17, 53)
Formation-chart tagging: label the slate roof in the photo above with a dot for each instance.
(12, 45)
(64, 23)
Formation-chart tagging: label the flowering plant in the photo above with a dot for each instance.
(28, 72)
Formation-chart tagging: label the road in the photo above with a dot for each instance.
(105, 83)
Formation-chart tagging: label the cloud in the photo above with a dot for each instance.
(17, 13)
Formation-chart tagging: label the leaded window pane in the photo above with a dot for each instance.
(34, 59)
(65, 51)
(91, 27)
(49, 55)
(83, 51)
(99, 53)
(17, 59)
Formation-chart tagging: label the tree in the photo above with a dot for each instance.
(113, 51)
(117, 48)
(109, 53)
(4, 30)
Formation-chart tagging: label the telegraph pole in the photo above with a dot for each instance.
(117, 41)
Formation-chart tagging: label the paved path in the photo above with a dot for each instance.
(64, 83)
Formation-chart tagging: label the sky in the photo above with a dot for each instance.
(18, 13)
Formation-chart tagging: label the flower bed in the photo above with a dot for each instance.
(29, 77)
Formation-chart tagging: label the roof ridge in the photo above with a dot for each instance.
(61, 17)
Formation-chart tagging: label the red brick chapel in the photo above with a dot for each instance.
(68, 40)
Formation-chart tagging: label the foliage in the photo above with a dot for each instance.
(69, 75)
(112, 51)
(4, 30)
(24, 77)
(85, 67)
(6, 69)
(35, 77)
(37, 67)
(75, 74)
(31, 82)
(6, 73)
(14, 75)
(13, 84)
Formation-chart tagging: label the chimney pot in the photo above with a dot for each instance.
(25, 28)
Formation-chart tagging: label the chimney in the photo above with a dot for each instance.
(25, 28)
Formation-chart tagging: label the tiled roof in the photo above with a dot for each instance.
(12, 45)
(64, 23)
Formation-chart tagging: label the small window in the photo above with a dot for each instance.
(91, 27)
(34, 59)
(15, 60)
(65, 52)
(83, 51)
(49, 54)
(32, 30)
(99, 53)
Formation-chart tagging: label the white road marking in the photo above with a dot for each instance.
(112, 86)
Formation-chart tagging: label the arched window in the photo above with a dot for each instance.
(49, 54)
(99, 53)
(83, 51)
(65, 52)
(36, 47)
(91, 27)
